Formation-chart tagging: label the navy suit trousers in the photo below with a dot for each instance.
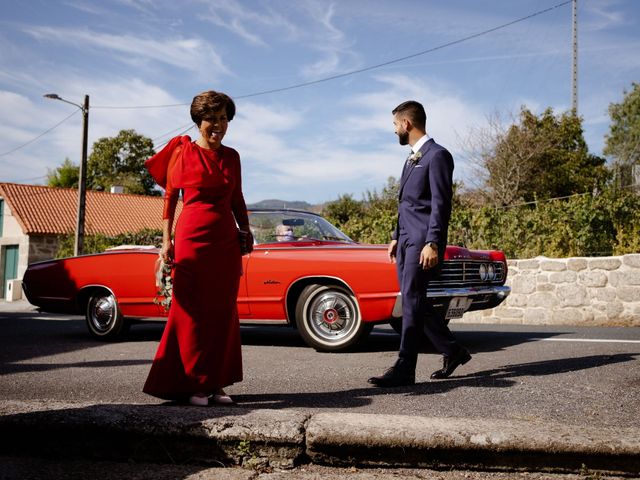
(417, 316)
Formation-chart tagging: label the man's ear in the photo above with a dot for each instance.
(407, 125)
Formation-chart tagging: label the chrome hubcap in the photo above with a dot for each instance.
(332, 316)
(103, 312)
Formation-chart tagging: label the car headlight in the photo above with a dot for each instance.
(483, 272)
(491, 272)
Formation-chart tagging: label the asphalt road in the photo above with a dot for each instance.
(47, 469)
(583, 376)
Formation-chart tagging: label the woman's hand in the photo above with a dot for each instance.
(167, 252)
(246, 241)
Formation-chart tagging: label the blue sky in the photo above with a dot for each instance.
(312, 143)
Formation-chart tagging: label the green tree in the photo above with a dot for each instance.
(591, 224)
(120, 160)
(369, 221)
(65, 176)
(623, 140)
(340, 211)
(538, 157)
(99, 243)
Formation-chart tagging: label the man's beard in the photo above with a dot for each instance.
(403, 138)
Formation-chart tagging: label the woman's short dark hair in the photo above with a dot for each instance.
(205, 104)
(414, 111)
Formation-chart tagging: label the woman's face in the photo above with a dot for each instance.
(213, 130)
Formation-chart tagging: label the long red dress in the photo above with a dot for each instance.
(200, 349)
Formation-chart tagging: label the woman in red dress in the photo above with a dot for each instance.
(200, 351)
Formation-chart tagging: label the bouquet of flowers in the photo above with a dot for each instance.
(164, 283)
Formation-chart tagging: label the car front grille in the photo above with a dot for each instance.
(466, 273)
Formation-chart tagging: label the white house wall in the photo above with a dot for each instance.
(12, 235)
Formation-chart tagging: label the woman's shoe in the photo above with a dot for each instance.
(199, 401)
(222, 398)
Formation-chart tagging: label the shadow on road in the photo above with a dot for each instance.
(503, 377)
(29, 335)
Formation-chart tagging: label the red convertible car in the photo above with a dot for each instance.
(316, 279)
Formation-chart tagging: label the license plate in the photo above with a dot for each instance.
(457, 307)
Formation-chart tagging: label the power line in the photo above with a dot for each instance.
(312, 82)
(189, 125)
(41, 135)
(120, 107)
(401, 59)
(185, 128)
(21, 180)
(365, 69)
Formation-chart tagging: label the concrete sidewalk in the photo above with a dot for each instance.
(21, 305)
(258, 439)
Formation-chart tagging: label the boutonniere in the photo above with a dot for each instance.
(414, 158)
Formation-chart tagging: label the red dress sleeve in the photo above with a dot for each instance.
(158, 165)
(171, 193)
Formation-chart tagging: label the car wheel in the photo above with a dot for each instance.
(328, 318)
(104, 319)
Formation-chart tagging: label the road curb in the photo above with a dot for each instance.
(153, 433)
(285, 438)
(402, 441)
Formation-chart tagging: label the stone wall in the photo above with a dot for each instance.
(586, 291)
(43, 247)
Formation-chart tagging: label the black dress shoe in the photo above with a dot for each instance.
(394, 377)
(449, 364)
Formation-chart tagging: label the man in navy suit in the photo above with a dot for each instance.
(418, 245)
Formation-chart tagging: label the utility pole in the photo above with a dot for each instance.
(574, 70)
(82, 181)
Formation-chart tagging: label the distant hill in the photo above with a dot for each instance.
(293, 205)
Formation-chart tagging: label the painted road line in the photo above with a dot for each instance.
(587, 340)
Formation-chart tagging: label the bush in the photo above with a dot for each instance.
(601, 224)
(581, 225)
(99, 243)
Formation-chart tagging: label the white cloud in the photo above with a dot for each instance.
(247, 23)
(190, 54)
(314, 27)
(602, 15)
(288, 153)
(29, 119)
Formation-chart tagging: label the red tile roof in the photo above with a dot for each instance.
(47, 210)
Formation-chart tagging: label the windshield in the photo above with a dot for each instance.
(272, 227)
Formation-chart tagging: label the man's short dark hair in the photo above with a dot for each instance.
(414, 111)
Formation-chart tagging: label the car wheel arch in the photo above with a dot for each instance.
(85, 293)
(296, 288)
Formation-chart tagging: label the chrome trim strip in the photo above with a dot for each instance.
(501, 290)
(263, 322)
(266, 247)
(446, 293)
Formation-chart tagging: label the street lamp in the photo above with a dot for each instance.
(82, 174)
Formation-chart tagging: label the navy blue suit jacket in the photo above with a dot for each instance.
(426, 189)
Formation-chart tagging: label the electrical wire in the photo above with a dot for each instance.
(186, 129)
(41, 135)
(309, 83)
(364, 69)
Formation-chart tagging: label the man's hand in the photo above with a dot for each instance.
(429, 257)
(391, 250)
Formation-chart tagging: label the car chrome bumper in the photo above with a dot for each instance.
(500, 290)
(480, 295)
